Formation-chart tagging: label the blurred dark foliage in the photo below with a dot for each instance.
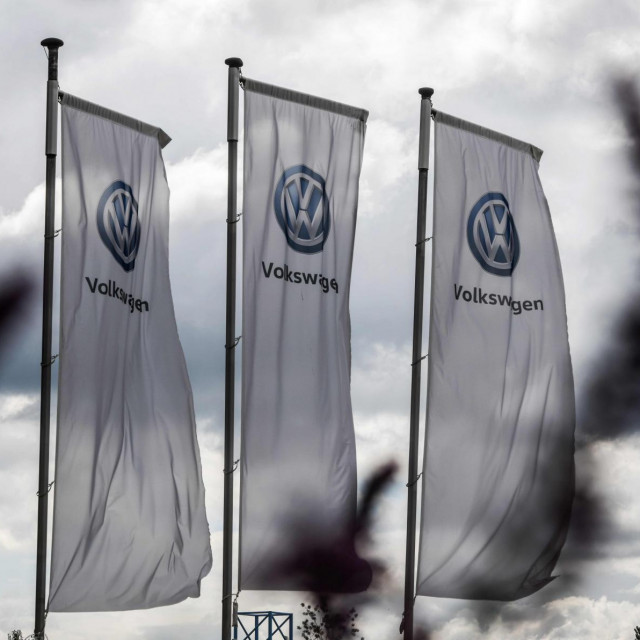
(16, 290)
(335, 567)
(372, 493)
(321, 623)
(611, 403)
(609, 408)
(628, 101)
(334, 574)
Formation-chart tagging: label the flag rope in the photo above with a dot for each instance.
(413, 364)
(40, 493)
(410, 484)
(48, 364)
(235, 466)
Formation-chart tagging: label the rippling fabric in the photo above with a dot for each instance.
(129, 524)
(298, 469)
(498, 474)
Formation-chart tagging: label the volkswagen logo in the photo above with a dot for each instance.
(118, 223)
(492, 235)
(302, 209)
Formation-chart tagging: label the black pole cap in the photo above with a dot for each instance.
(234, 62)
(52, 43)
(425, 92)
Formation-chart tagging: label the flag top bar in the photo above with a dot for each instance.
(305, 99)
(119, 118)
(464, 125)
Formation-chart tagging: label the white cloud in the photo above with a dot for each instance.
(380, 379)
(18, 472)
(566, 619)
(20, 225)
(389, 157)
(198, 188)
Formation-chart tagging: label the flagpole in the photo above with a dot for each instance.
(231, 342)
(414, 430)
(51, 146)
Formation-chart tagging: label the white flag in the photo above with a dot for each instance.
(498, 474)
(301, 169)
(129, 526)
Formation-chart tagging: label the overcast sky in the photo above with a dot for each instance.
(538, 70)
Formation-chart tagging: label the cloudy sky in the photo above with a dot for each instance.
(537, 70)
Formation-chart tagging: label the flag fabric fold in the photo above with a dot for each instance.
(129, 524)
(302, 160)
(498, 473)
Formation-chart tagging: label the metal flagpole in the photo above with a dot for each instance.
(423, 169)
(51, 145)
(231, 342)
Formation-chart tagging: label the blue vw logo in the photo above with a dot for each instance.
(492, 235)
(302, 209)
(118, 223)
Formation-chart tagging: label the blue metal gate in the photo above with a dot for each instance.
(276, 625)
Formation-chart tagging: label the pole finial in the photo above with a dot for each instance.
(425, 92)
(234, 62)
(52, 43)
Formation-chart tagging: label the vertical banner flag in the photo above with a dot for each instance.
(498, 472)
(129, 526)
(302, 164)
